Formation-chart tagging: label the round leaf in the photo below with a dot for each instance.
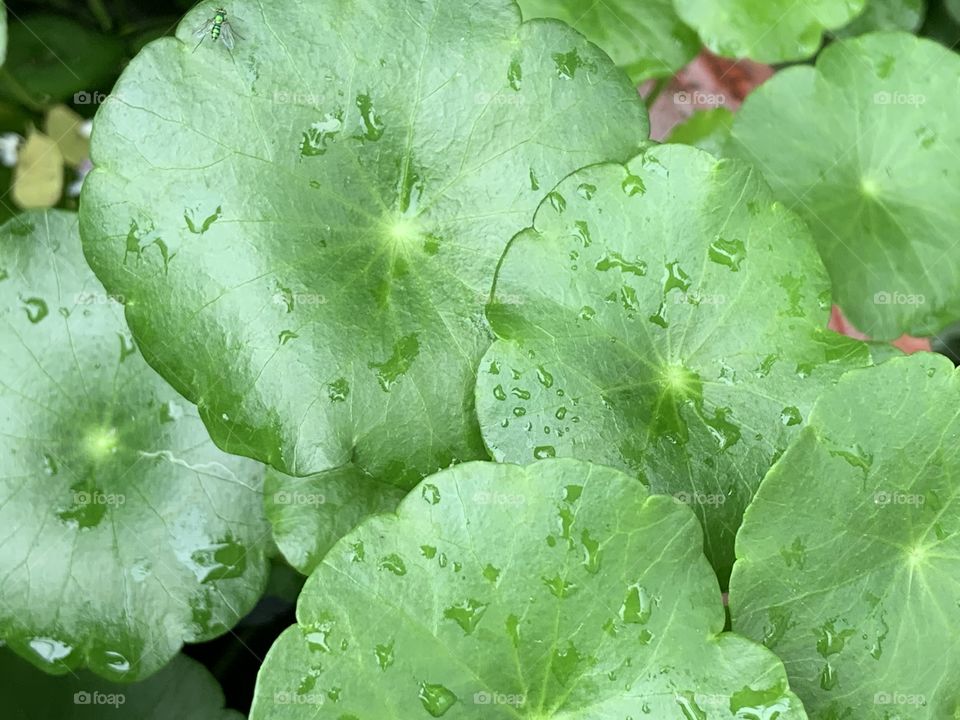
(864, 147)
(705, 129)
(887, 15)
(310, 514)
(183, 689)
(125, 531)
(849, 556)
(768, 31)
(645, 38)
(640, 342)
(306, 229)
(556, 590)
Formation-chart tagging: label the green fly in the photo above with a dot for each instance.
(218, 28)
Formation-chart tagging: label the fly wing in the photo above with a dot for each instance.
(226, 34)
(202, 31)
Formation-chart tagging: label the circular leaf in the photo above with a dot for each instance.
(768, 31)
(640, 342)
(556, 590)
(849, 556)
(125, 531)
(310, 514)
(864, 147)
(183, 689)
(886, 15)
(307, 257)
(645, 38)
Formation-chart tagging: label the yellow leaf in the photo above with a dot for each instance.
(38, 177)
(63, 126)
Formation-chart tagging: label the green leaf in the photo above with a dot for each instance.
(864, 147)
(769, 31)
(306, 230)
(555, 590)
(640, 342)
(848, 558)
(705, 129)
(125, 531)
(3, 33)
(886, 15)
(183, 689)
(51, 59)
(645, 38)
(310, 514)
(953, 7)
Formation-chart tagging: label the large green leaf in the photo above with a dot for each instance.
(865, 147)
(886, 15)
(849, 557)
(673, 328)
(306, 230)
(645, 38)
(770, 31)
(183, 690)
(125, 531)
(310, 514)
(555, 590)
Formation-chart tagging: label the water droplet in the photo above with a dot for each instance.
(616, 260)
(50, 650)
(286, 336)
(520, 393)
(591, 552)
(545, 378)
(557, 201)
(828, 677)
(587, 313)
(467, 614)
(724, 432)
(431, 493)
(338, 390)
(559, 587)
(637, 606)
(790, 416)
(499, 393)
(633, 185)
(565, 662)
(36, 309)
(689, 707)
(428, 551)
(50, 466)
(405, 351)
(384, 655)
(372, 124)
(491, 573)
(567, 64)
(436, 699)
(515, 74)
(730, 253)
(830, 641)
(394, 563)
(316, 137)
(534, 182)
(586, 191)
(543, 452)
(220, 560)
